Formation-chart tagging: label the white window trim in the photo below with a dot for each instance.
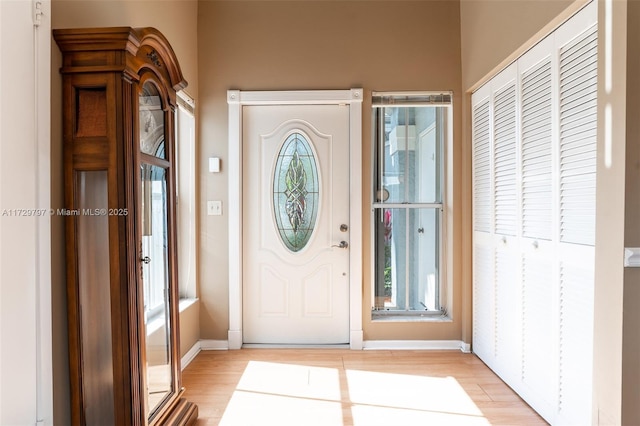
(446, 227)
(236, 99)
(185, 153)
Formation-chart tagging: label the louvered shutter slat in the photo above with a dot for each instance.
(589, 134)
(582, 106)
(536, 151)
(583, 121)
(578, 81)
(578, 131)
(505, 161)
(574, 184)
(579, 60)
(577, 102)
(482, 168)
(578, 95)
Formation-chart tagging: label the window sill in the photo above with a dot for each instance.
(155, 324)
(185, 303)
(388, 316)
(157, 321)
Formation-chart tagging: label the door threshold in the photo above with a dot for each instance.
(294, 346)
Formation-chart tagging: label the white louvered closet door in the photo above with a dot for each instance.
(483, 254)
(577, 45)
(507, 291)
(578, 127)
(534, 189)
(537, 76)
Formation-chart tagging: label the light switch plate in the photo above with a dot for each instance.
(214, 208)
(214, 165)
(632, 257)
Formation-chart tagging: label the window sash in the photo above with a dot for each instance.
(411, 99)
(409, 261)
(408, 199)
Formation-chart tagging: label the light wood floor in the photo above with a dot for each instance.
(336, 387)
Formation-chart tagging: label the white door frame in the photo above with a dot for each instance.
(236, 100)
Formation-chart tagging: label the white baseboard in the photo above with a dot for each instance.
(235, 339)
(190, 355)
(292, 346)
(414, 345)
(356, 340)
(214, 345)
(223, 345)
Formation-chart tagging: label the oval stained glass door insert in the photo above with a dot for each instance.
(295, 192)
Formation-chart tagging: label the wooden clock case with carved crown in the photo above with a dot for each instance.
(119, 98)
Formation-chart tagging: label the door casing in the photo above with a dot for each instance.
(236, 99)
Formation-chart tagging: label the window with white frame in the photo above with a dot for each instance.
(410, 136)
(186, 194)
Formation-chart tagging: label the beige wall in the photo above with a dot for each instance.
(189, 327)
(631, 319)
(492, 30)
(275, 45)
(177, 20)
(610, 219)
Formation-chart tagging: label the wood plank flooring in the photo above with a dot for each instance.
(339, 387)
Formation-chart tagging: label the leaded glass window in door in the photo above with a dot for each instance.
(295, 191)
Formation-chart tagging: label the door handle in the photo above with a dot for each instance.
(146, 260)
(342, 245)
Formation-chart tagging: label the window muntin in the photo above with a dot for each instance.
(410, 138)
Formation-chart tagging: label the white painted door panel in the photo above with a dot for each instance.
(295, 297)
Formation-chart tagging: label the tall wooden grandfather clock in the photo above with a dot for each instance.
(119, 97)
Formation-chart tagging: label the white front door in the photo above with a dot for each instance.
(295, 224)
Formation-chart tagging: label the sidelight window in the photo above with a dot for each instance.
(410, 135)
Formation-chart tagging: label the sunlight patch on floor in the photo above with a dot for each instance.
(383, 399)
(385, 416)
(280, 394)
(285, 394)
(252, 408)
(301, 381)
(442, 394)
